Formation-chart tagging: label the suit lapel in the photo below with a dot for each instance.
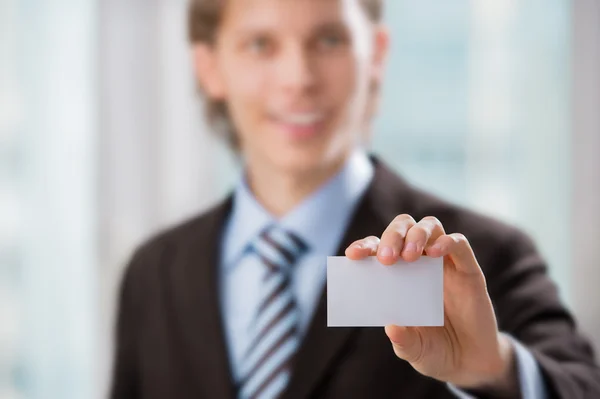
(196, 300)
(323, 347)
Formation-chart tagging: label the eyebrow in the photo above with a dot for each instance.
(331, 26)
(324, 27)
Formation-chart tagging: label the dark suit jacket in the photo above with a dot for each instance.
(170, 338)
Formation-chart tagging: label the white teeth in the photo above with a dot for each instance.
(302, 119)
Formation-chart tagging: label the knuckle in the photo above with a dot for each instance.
(371, 240)
(405, 217)
(432, 220)
(402, 224)
(459, 238)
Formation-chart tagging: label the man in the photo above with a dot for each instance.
(232, 303)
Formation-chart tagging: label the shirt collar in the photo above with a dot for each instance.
(320, 220)
(248, 218)
(322, 217)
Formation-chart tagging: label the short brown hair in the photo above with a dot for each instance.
(204, 17)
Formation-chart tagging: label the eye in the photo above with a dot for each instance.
(260, 45)
(330, 41)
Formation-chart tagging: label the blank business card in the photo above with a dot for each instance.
(365, 293)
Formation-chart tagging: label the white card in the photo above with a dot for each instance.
(365, 293)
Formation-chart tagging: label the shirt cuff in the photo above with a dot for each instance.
(530, 377)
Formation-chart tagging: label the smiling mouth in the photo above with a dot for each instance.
(299, 125)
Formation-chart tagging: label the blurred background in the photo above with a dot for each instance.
(491, 104)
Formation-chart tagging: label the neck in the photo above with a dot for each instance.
(279, 191)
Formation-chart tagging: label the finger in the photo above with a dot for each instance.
(362, 248)
(421, 234)
(392, 239)
(458, 248)
(407, 342)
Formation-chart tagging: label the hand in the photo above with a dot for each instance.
(468, 351)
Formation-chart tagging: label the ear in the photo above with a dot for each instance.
(207, 71)
(380, 52)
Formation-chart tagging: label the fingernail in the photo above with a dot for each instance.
(358, 246)
(410, 247)
(386, 252)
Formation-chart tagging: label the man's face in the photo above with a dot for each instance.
(296, 76)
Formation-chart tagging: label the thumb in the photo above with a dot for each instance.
(406, 341)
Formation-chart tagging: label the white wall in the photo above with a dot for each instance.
(585, 223)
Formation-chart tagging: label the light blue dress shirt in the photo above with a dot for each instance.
(321, 221)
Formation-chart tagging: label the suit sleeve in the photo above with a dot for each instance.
(528, 308)
(125, 377)
(531, 382)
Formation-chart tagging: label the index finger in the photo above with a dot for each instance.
(362, 248)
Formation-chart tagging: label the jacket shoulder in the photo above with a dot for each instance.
(487, 235)
(182, 234)
(392, 195)
(461, 219)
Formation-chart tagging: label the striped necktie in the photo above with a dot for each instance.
(266, 365)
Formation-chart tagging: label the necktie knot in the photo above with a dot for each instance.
(278, 248)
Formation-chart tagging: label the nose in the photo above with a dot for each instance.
(297, 70)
